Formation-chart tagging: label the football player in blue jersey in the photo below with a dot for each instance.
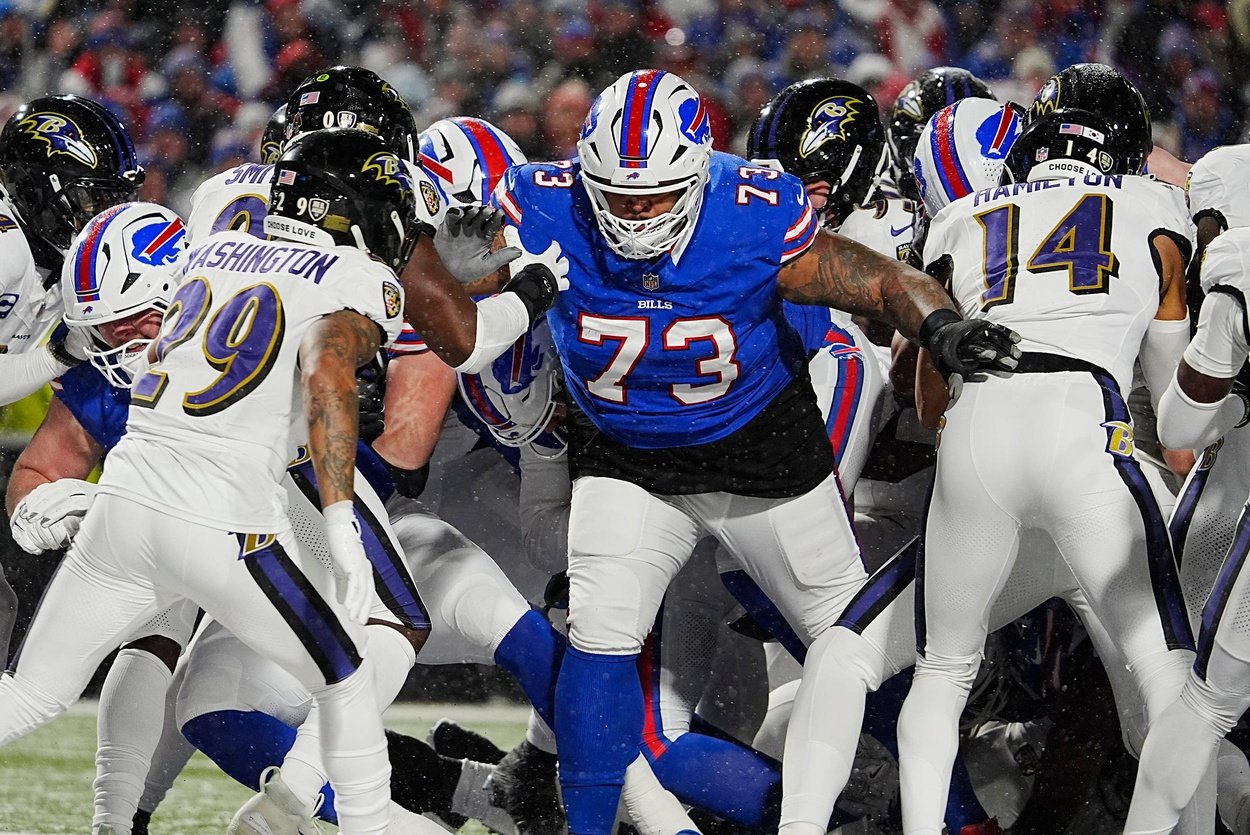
(690, 412)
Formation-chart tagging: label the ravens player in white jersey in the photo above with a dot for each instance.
(63, 159)
(1074, 204)
(1206, 529)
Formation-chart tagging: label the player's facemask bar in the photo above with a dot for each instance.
(654, 236)
(121, 365)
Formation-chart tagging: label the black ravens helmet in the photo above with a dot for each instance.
(64, 160)
(353, 97)
(823, 129)
(274, 137)
(1100, 89)
(915, 106)
(1073, 143)
(343, 187)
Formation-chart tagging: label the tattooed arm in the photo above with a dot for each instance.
(838, 272)
(331, 352)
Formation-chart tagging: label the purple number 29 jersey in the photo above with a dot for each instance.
(687, 348)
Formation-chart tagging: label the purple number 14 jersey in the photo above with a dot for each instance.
(683, 349)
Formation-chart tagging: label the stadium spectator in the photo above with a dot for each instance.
(912, 34)
(563, 113)
(1203, 120)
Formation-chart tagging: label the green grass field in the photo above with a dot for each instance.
(45, 779)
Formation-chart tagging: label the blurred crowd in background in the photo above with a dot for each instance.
(197, 79)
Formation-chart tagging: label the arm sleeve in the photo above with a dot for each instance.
(1161, 351)
(1188, 424)
(501, 321)
(24, 374)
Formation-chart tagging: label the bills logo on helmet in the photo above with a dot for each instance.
(61, 136)
(159, 243)
(694, 122)
(998, 133)
(592, 120)
(392, 300)
(385, 168)
(828, 122)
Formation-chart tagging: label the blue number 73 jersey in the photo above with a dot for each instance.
(686, 348)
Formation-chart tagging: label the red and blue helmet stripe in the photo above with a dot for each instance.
(492, 154)
(950, 169)
(86, 287)
(637, 118)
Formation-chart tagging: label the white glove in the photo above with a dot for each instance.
(50, 515)
(552, 258)
(353, 580)
(463, 243)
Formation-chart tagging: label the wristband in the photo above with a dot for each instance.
(340, 513)
(933, 323)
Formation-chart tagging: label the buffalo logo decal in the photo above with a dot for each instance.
(695, 124)
(61, 136)
(829, 121)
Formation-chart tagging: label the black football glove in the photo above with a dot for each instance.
(537, 278)
(966, 350)
(370, 392)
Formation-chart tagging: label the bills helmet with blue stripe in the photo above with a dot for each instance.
(648, 133)
(65, 159)
(120, 265)
(515, 397)
(915, 106)
(823, 130)
(469, 156)
(1087, 115)
(962, 150)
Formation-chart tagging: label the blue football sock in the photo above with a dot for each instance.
(728, 779)
(245, 743)
(599, 731)
(531, 652)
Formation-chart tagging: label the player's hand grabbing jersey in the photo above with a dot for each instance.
(683, 349)
(223, 393)
(1067, 264)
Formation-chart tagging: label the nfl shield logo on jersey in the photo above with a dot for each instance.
(651, 281)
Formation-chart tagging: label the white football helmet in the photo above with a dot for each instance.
(649, 133)
(469, 156)
(515, 397)
(962, 150)
(118, 265)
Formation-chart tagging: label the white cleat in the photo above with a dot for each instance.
(274, 810)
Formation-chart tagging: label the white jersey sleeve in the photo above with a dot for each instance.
(1220, 183)
(1222, 343)
(884, 225)
(209, 432)
(28, 310)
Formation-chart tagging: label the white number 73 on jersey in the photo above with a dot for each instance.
(633, 336)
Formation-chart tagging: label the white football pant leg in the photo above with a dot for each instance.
(625, 547)
(470, 603)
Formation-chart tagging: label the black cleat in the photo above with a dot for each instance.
(451, 739)
(524, 785)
